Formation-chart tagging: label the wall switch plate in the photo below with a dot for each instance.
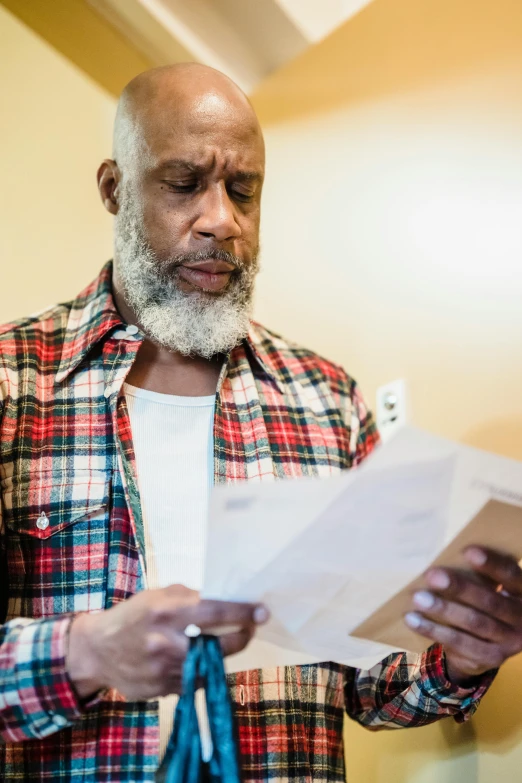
(392, 409)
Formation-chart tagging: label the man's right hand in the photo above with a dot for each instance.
(139, 645)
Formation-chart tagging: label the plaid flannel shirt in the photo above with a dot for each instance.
(72, 537)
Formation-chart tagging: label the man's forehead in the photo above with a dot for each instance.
(197, 138)
(180, 112)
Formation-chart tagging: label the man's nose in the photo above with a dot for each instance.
(216, 215)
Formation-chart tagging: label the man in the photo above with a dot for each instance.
(119, 411)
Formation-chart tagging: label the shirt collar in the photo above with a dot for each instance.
(93, 315)
(269, 354)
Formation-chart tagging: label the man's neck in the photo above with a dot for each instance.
(167, 372)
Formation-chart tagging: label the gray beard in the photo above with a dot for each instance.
(198, 323)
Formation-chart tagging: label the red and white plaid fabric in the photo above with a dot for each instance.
(72, 536)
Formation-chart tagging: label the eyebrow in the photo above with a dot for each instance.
(194, 168)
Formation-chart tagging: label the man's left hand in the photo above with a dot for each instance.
(476, 615)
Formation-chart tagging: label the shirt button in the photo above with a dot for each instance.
(58, 720)
(42, 523)
(132, 329)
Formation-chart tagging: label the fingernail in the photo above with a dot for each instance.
(413, 619)
(476, 556)
(423, 599)
(261, 614)
(438, 579)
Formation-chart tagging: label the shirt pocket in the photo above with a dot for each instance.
(57, 527)
(42, 504)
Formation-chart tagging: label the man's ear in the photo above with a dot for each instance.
(108, 177)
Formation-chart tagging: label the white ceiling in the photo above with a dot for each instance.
(317, 18)
(247, 39)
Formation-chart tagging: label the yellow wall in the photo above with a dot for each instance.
(392, 243)
(55, 129)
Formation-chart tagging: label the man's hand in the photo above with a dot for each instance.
(476, 615)
(139, 645)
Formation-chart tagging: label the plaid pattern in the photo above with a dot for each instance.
(73, 538)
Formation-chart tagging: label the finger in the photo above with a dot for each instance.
(501, 568)
(462, 617)
(486, 655)
(235, 642)
(213, 614)
(476, 592)
(167, 650)
(182, 594)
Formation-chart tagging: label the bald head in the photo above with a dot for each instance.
(175, 99)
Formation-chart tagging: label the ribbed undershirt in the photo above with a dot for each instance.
(173, 444)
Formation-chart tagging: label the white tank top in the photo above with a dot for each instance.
(173, 443)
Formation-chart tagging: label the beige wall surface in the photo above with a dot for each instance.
(55, 129)
(392, 244)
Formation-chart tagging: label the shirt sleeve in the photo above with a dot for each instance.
(364, 436)
(37, 697)
(407, 690)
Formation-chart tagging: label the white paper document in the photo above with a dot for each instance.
(326, 554)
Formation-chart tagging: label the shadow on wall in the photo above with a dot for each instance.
(384, 50)
(419, 755)
(498, 723)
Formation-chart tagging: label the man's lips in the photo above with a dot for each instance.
(208, 275)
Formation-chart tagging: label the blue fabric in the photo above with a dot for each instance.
(183, 762)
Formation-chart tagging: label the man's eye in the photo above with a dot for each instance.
(181, 187)
(240, 196)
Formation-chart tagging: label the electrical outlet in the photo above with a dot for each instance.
(392, 409)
